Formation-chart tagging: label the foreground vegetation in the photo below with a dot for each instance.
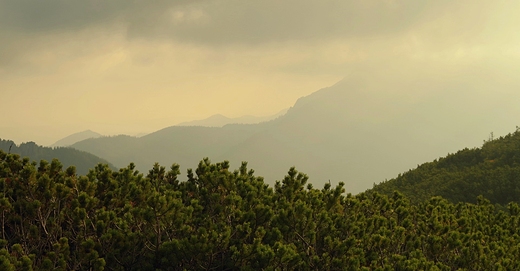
(219, 219)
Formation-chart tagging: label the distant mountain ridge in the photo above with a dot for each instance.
(219, 120)
(353, 131)
(76, 137)
(83, 161)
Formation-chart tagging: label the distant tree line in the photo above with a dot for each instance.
(82, 161)
(222, 219)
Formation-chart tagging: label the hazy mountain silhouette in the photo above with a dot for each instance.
(76, 137)
(362, 130)
(83, 161)
(219, 120)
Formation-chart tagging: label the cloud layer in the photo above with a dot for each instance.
(136, 66)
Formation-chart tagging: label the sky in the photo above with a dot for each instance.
(130, 67)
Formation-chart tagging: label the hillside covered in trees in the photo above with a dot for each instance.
(82, 161)
(492, 171)
(223, 219)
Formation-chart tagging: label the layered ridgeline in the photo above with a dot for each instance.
(220, 219)
(83, 161)
(355, 131)
(76, 137)
(219, 120)
(492, 171)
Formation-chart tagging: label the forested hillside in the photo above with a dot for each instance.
(223, 219)
(492, 171)
(83, 161)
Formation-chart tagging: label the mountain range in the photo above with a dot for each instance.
(354, 131)
(216, 120)
(219, 120)
(76, 137)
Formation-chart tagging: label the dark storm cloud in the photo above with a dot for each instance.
(230, 21)
(255, 21)
(57, 15)
(30, 25)
(27, 26)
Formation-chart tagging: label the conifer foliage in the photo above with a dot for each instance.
(222, 219)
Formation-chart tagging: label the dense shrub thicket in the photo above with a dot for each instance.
(219, 219)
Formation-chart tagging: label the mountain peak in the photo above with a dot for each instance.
(219, 120)
(76, 137)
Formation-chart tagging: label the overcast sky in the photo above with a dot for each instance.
(123, 66)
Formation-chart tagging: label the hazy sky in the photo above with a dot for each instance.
(124, 66)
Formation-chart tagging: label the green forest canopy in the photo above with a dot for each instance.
(222, 219)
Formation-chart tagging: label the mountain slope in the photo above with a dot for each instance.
(492, 171)
(71, 139)
(180, 144)
(83, 161)
(354, 131)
